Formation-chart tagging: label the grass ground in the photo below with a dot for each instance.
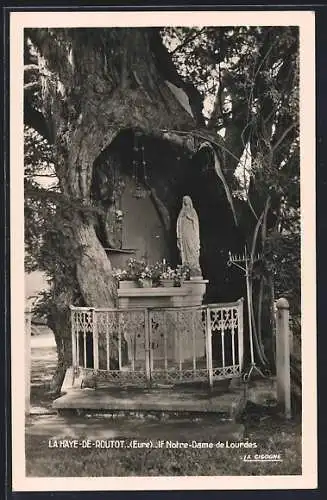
(261, 426)
(271, 437)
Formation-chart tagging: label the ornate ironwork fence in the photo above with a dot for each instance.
(164, 345)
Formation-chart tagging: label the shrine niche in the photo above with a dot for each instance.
(158, 205)
(136, 202)
(142, 180)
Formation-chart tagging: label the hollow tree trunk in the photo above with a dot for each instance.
(93, 268)
(95, 282)
(93, 273)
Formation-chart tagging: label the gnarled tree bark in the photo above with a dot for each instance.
(95, 83)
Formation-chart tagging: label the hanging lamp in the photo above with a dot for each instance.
(139, 169)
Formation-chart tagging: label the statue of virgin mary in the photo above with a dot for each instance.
(188, 237)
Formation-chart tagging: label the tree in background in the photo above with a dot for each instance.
(249, 78)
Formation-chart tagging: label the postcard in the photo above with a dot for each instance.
(162, 200)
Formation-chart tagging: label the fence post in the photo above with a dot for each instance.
(283, 367)
(75, 361)
(240, 333)
(95, 340)
(209, 347)
(28, 320)
(147, 345)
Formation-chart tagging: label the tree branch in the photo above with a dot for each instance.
(40, 175)
(31, 67)
(218, 111)
(186, 41)
(284, 134)
(31, 85)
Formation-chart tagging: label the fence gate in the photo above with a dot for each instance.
(158, 346)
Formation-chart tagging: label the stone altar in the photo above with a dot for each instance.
(189, 294)
(170, 339)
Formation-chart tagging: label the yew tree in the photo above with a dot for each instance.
(230, 93)
(82, 87)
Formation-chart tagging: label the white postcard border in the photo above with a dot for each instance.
(306, 21)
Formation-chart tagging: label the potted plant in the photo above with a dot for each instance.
(183, 273)
(142, 272)
(144, 276)
(168, 277)
(137, 273)
(124, 278)
(156, 271)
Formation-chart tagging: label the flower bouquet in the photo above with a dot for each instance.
(124, 278)
(168, 276)
(140, 273)
(137, 273)
(183, 273)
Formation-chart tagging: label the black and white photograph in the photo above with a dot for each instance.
(163, 250)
